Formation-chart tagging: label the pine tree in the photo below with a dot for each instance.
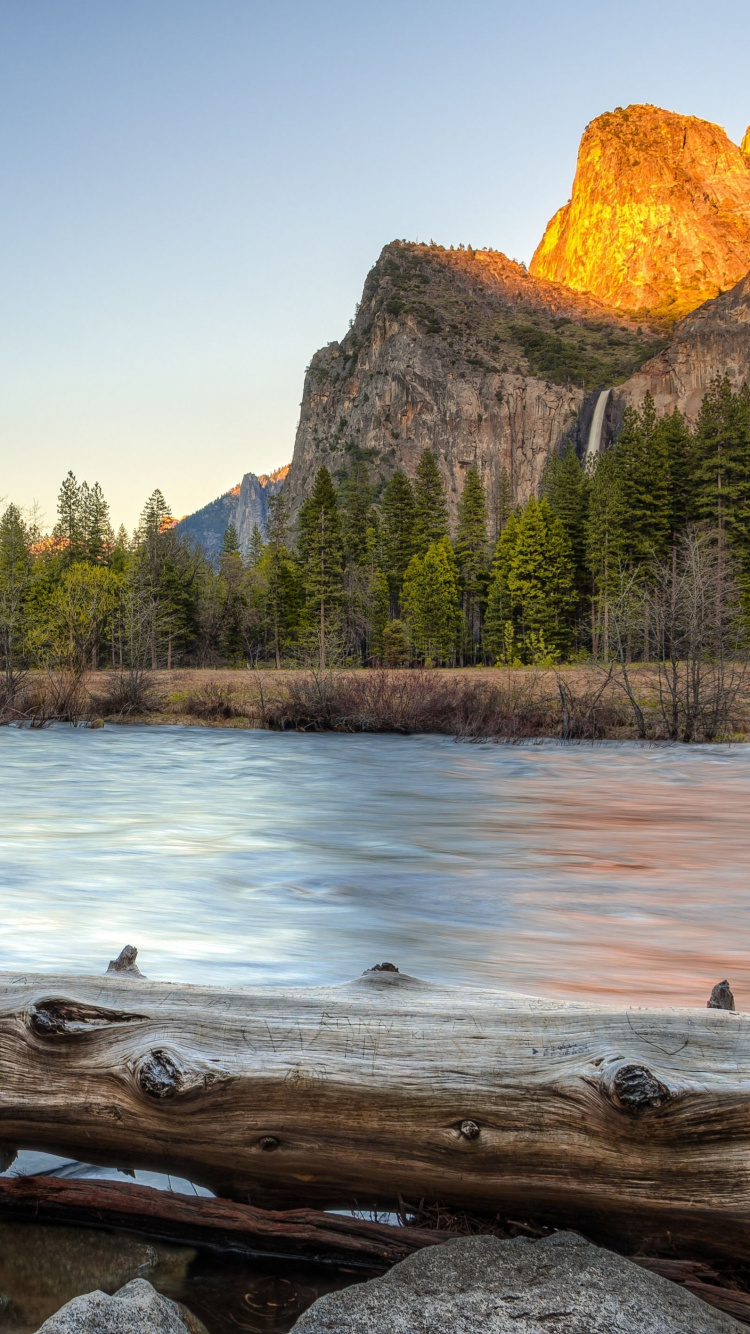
(566, 486)
(97, 538)
(675, 444)
(397, 531)
(283, 590)
(255, 550)
(68, 531)
(502, 502)
(320, 550)
(541, 582)
(643, 469)
(606, 542)
(15, 575)
(431, 602)
(357, 516)
(380, 611)
(471, 554)
(230, 545)
(430, 506)
(499, 631)
(722, 453)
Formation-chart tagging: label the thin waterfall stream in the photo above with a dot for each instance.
(594, 443)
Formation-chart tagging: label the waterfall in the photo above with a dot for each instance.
(597, 422)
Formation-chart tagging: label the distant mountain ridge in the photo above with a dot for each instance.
(245, 505)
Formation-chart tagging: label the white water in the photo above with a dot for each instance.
(597, 421)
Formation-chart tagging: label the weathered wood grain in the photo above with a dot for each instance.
(632, 1123)
(308, 1233)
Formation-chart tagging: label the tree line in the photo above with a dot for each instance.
(370, 578)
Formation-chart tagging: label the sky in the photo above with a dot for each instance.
(194, 191)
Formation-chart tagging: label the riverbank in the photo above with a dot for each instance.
(571, 703)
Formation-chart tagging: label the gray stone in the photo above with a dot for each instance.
(481, 1285)
(136, 1309)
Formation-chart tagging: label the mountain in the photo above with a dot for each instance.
(245, 506)
(462, 351)
(659, 218)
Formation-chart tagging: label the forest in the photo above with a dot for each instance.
(596, 567)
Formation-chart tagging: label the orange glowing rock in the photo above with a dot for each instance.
(659, 218)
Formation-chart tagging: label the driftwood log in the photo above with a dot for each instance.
(197, 1220)
(633, 1124)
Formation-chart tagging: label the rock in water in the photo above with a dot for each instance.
(659, 218)
(481, 1285)
(135, 1309)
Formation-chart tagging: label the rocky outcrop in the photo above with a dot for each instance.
(713, 341)
(44, 1266)
(467, 354)
(562, 1285)
(245, 506)
(136, 1309)
(659, 218)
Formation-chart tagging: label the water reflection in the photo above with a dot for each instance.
(42, 1268)
(226, 856)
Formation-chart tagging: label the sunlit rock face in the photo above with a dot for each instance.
(659, 218)
(462, 352)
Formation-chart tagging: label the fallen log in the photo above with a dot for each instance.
(198, 1220)
(632, 1124)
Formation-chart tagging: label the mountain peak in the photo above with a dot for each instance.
(659, 217)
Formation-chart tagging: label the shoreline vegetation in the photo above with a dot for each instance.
(372, 607)
(576, 703)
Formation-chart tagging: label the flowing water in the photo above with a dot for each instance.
(612, 872)
(226, 856)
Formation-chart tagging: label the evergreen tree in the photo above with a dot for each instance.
(256, 544)
(643, 469)
(471, 554)
(430, 506)
(502, 502)
(606, 542)
(357, 516)
(68, 531)
(97, 538)
(397, 531)
(541, 582)
(431, 602)
(722, 455)
(380, 611)
(675, 444)
(565, 486)
(499, 631)
(165, 572)
(320, 550)
(15, 575)
(230, 545)
(283, 591)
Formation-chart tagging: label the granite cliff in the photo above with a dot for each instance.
(713, 340)
(464, 352)
(659, 217)
(244, 506)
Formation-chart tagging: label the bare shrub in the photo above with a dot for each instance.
(407, 702)
(56, 696)
(127, 694)
(213, 702)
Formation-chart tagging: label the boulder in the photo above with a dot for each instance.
(136, 1309)
(482, 1285)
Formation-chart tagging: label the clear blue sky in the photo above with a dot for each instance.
(194, 190)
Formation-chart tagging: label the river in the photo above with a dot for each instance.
(614, 871)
